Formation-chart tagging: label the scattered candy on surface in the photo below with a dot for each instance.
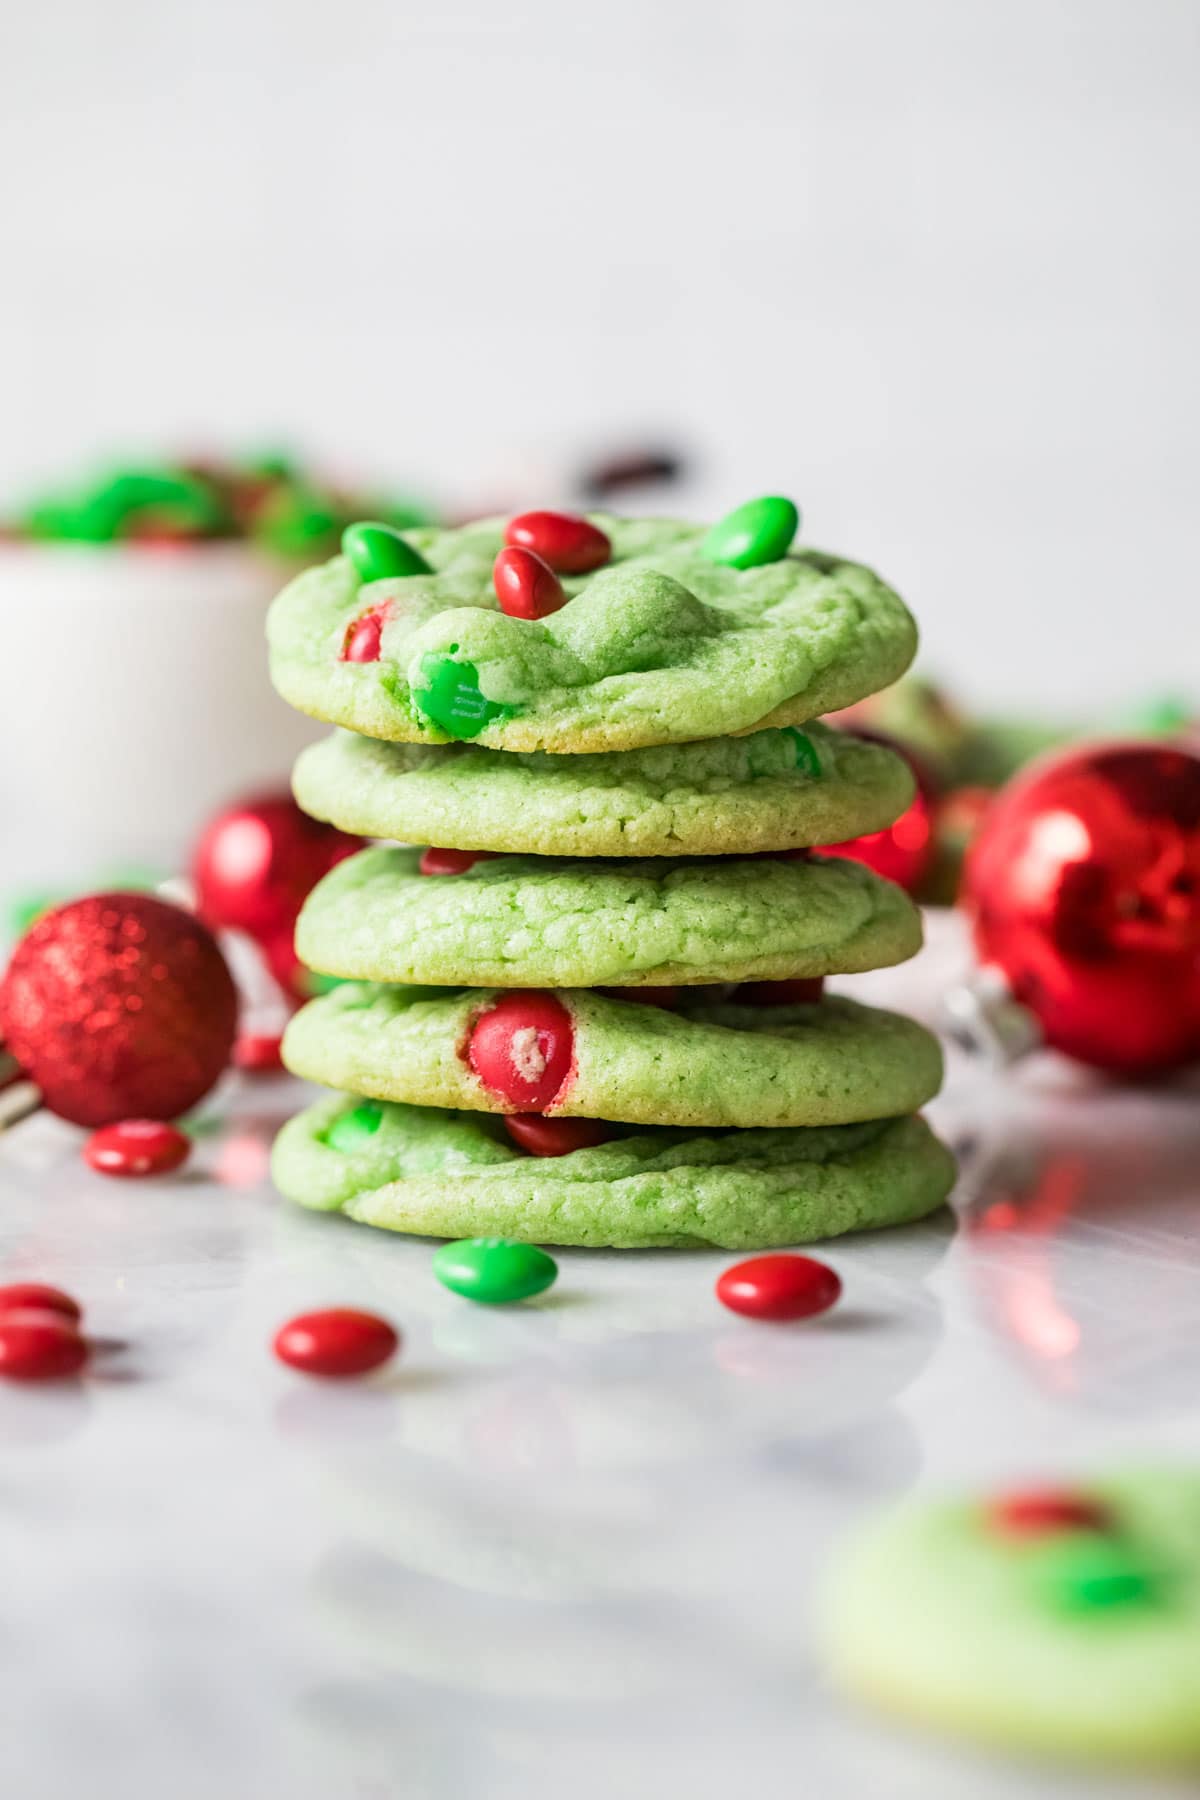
(351, 1130)
(1038, 1512)
(526, 586)
(258, 1052)
(666, 997)
(780, 993)
(494, 1271)
(336, 1342)
(523, 1049)
(40, 1345)
(36, 1296)
(135, 1147)
(901, 852)
(452, 698)
(450, 862)
(119, 1006)
(379, 553)
(570, 545)
(779, 1287)
(364, 636)
(555, 1137)
(759, 532)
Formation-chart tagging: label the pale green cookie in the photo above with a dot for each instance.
(1071, 1641)
(543, 921)
(660, 646)
(780, 789)
(709, 1063)
(446, 1174)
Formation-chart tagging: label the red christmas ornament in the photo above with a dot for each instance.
(526, 587)
(569, 544)
(1084, 889)
(901, 852)
(523, 1049)
(40, 1345)
(555, 1137)
(339, 1341)
(254, 867)
(1040, 1511)
(25, 1296)
(137, 1147)
(779, 1287)
(118, 1006)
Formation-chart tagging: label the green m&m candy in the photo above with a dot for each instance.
(759, 532)
(452, 698)
(352, 1130)
(1093, 1574)
(807, 758)
(379, 553)
(494, 1271)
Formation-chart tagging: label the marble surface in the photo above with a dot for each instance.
(569, 1548)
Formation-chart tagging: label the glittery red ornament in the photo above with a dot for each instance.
(254, 867)
(119, 1006)
(1084, 888)
(901, 852)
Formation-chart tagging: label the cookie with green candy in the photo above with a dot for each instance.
(1063, 1621)
(669, 632)
(544, 921)
(707, 1059)
(780, 789)
(456, 1175)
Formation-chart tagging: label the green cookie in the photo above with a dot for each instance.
(543, 921)
(660, 646)
(780, 789)
(446, 1174)
(711, 1063)
(1070, 1640)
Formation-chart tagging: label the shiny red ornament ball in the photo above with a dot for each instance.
(40, 1345)
(137, 1147)
(450, 862)
(901, 852)
(119, 1006)
(1084, 889)
(807, 992)
(338, 1341)
(526, 586)
(555, 1137)
(779, 1287)
(523, 1049)
(1038, 1512)
(254, 867)
(364, 634)
(35, 1296)
(570, 545)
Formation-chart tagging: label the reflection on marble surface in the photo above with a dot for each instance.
(568, 1548)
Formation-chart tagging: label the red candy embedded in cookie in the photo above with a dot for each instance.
(569, 544)
(780, 993)
(779, 1287)
(555, 1137)
(666, 997)
(1040, 1511)
(526, 586)
(137, 1147)
(363, 636)
(523, 1049)
(450, 862)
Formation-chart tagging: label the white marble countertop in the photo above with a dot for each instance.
(565, 1549)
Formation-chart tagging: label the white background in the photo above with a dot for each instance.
(932, 266)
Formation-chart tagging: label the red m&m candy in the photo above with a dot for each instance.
(523, 1049)
(24, 1296)
(555, 1137)
(569, 544)
(1037, 1512)
(137, 1147)
(337, 1342)
(779, 1287)
(258, 1052)
(40, 1345)
(780, 993)
(363, 636)
(450, 862)
(526, 587)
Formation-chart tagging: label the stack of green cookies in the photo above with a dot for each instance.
(593, 1014)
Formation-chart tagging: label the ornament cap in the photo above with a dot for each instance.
(981, 1015)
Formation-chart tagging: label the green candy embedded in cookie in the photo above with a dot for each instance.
(662, 645)
(540, 921)
(455, 1175)
(379, 553)
(1068, 1643)
(779, 789)
(712, 1062)
(759, 532)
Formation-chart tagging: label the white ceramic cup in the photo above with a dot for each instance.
(134, 702)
